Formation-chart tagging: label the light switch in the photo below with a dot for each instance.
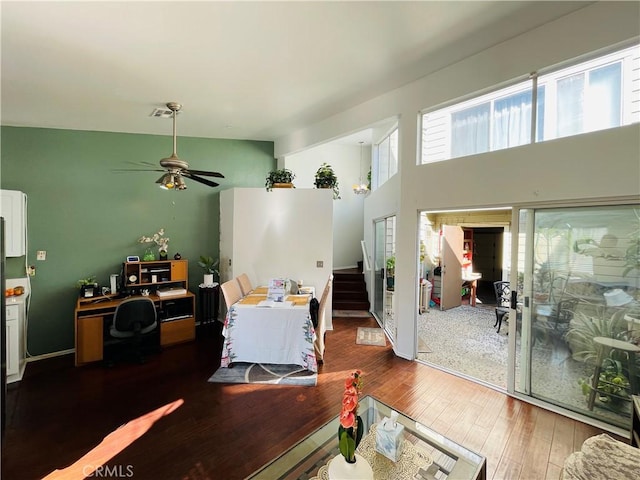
(319, 264)
(41, 255)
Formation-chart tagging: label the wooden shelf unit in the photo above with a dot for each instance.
(467, 248)
(155, 274)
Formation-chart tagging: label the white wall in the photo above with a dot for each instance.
(282, 233)
(597, 166)
(348, 210)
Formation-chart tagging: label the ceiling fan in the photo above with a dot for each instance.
(176, 170)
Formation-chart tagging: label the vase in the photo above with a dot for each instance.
(148, 255)
(340, 469)
(163, 255)
(208, 279)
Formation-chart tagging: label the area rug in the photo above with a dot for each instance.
(351, 313)
(371, 336)
(242, 372)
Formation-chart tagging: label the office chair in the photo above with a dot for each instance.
(135, 325)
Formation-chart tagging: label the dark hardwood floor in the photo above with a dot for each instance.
(58, 413)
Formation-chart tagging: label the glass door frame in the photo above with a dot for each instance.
(385, 316)
(521, 263)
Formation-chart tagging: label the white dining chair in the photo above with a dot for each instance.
(321, 329)
(231, 292)
(245, 284)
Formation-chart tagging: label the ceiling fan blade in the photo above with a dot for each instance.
(205, 173)
(141, 162)
(204, 181)
(122, 170)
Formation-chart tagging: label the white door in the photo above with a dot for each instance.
(452, 245)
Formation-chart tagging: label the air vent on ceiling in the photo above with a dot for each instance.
(162, 113)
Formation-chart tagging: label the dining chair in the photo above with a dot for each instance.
(502, 292)
(321, 330)
(245, 284)
(231, 292)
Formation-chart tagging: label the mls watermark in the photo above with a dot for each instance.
(108, 471)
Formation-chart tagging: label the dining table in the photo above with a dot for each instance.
(258, 330)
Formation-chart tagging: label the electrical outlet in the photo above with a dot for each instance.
(319, 264)
(41, 255)
(31, 270)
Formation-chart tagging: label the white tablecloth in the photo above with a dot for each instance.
(278, 334)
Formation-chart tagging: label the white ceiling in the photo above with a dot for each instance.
(244, 70)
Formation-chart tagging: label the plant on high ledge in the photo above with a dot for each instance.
(280, 176)
(351, 425)
(326, 178)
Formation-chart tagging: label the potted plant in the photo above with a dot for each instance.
(209, 265)
(160, 240)
(391, 270)
(281, 178)
(326, 178)
(613, 385)
(88, 286)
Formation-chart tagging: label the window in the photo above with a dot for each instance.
(594, 95)
(385, 160)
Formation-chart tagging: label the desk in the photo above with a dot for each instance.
(92, 316)
(471, 280)
(279, 334)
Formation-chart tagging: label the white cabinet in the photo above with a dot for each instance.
(13, 340)
(13, 207)
(16, 334)
(15, 348)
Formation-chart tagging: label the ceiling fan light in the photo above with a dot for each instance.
(180, 185)
(168, 181)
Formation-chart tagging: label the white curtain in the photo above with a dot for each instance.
(512, 121)
(470, 131)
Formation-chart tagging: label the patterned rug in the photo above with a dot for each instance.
(265, 373)
(371, 336)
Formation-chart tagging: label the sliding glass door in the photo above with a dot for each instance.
(384, 266)
(379, 271)
(579, 297)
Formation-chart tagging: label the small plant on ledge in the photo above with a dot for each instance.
(279, 177)
(326, 178)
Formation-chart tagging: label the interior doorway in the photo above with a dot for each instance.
(488, 245)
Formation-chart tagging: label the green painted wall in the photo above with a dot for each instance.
(88, 217)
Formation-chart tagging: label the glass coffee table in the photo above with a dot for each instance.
(426, 455)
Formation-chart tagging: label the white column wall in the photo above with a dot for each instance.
(596, 166)
(348, 210)
(277, 234)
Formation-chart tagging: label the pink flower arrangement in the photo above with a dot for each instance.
(350, 430)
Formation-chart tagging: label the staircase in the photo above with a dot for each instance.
(349, 290)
